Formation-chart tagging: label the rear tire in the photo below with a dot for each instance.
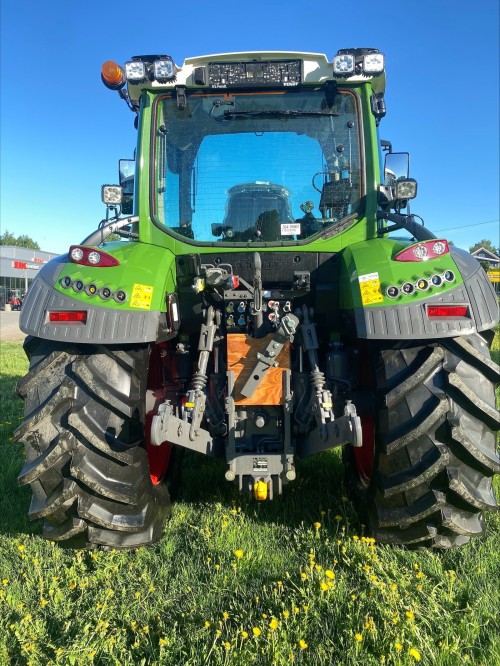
(83, 432)
(435, 446)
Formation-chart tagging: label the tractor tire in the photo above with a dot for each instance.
(433, 444)
(83, 431)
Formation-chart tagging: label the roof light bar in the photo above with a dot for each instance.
(369, 62)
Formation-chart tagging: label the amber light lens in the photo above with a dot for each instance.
(112, 74)
(65, 316)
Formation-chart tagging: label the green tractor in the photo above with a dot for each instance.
(259, 291)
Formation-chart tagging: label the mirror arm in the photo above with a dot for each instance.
(406, 222)
(114, 227)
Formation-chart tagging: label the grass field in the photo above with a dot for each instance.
(232, 582)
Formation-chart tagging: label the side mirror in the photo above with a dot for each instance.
(397, 187)
(126, 170)
(396, 166)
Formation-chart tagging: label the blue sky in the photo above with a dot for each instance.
(62, 131)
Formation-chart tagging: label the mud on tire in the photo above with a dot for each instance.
(83, 432)
(435, 444)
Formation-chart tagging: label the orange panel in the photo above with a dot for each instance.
(242, 358)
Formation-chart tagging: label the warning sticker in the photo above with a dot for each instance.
(141, 296)
(290, 229)
(369, 286)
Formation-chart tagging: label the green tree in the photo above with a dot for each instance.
(7, 238)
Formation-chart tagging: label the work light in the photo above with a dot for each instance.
(135, 71)
(343, 64)
(163, 70)
(373, 63)
(111, 195)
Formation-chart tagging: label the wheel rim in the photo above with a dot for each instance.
(364, 455)
(158, 456)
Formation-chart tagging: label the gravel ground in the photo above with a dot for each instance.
(9, 327)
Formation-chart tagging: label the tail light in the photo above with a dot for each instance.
(68, 316)
(87, 256)
(451, 311)
(423, 251)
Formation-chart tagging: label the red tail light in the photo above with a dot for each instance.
(88, 256)
(423, 251)
(65, 316)
(447, 311)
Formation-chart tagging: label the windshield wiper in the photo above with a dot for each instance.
(276, 113)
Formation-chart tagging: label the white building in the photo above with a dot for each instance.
(18, 267)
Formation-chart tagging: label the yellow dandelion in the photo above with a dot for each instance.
(227, 645)
(318, 567)
(273, 624)
(366, 567)
(296, 610)
(20, 548)
(302, 644)
(256, 631)
(303, 575)
(416, 567)
(393, 587)
(264, 615)
(323, 586)
(317, 525)
(305, 608)
(233, 512)
(358, 637)
(5, 581)
(43, 602)
(218, 632)
(420, 575)
(225, 615)
(217, 566)
(355, 537)
(163, 641)
(286, 614)
(398, 647)
(329, 574)
(415, 654)
(410, 615)
(207, 624)
(244, 634)
(338, 517)
(238, 553)
(311, 556)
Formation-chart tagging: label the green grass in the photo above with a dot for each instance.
(234, 582)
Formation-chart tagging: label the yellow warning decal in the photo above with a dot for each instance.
(142, 295)
(369, 286)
